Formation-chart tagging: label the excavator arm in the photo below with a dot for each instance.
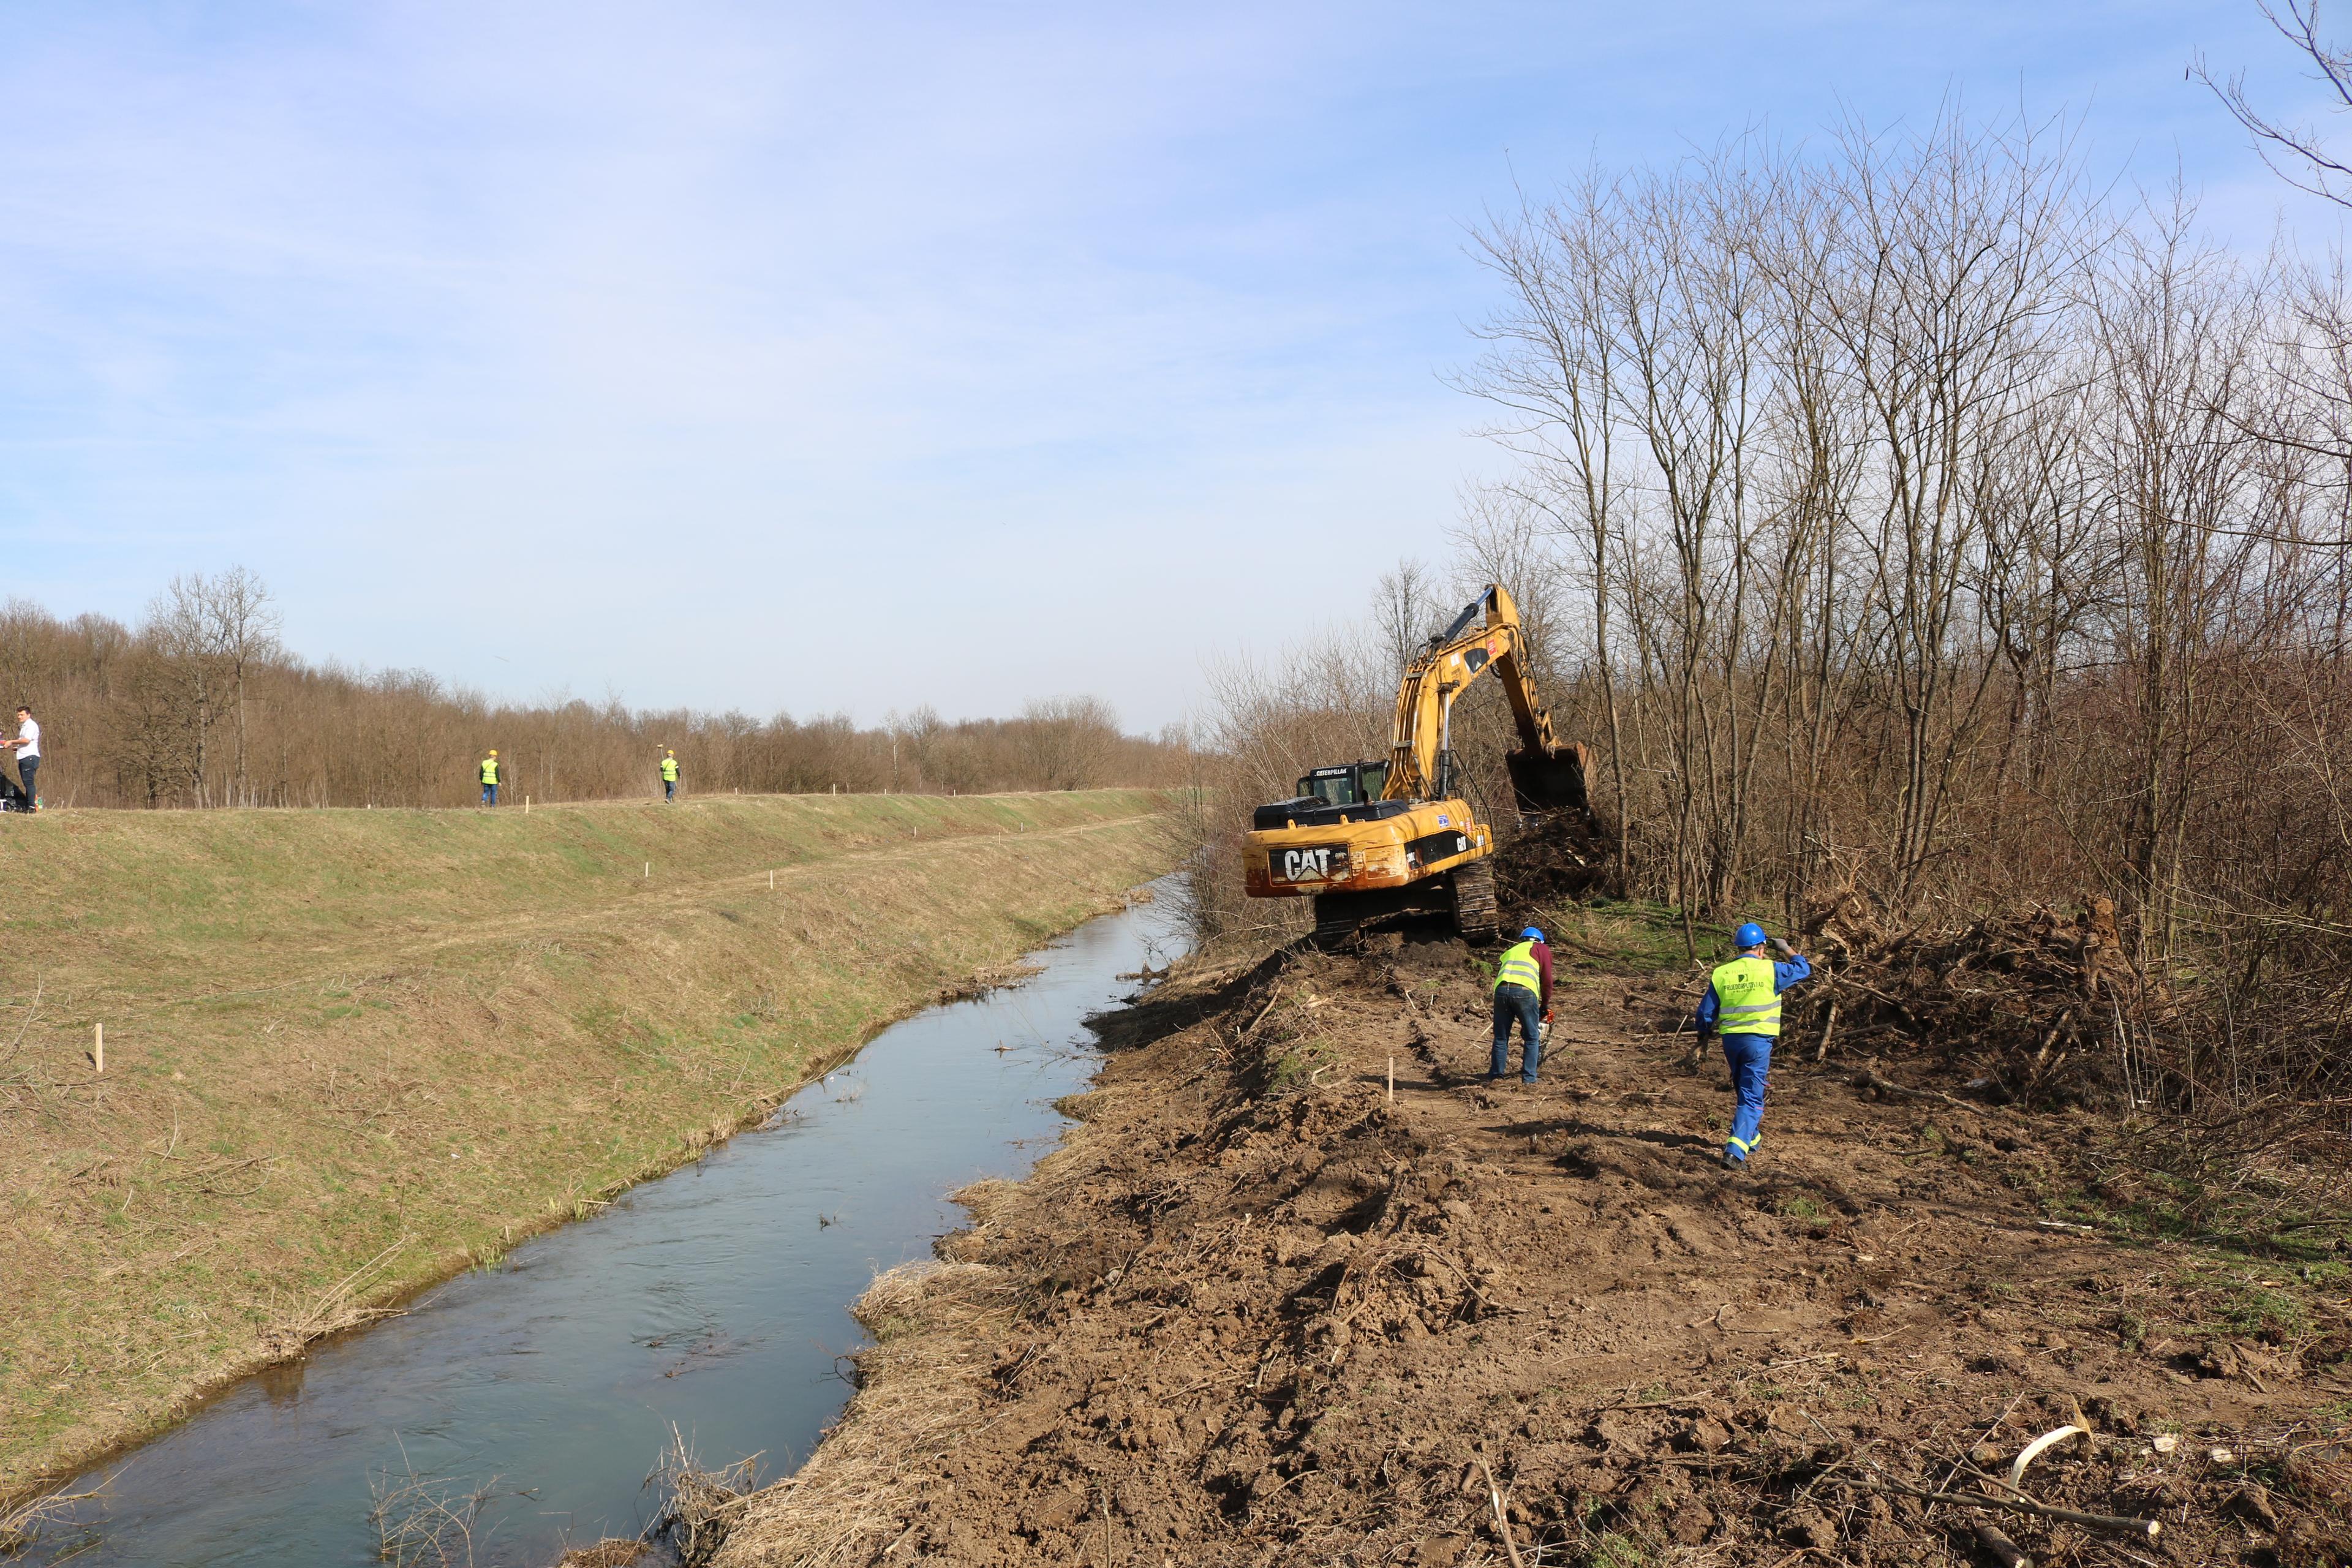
(1486, 635)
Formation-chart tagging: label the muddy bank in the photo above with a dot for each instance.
(1254, 1311)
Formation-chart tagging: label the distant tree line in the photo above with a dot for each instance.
(201, 705)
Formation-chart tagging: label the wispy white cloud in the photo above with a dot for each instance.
(796, 356)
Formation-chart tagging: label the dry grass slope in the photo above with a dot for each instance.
(349, 1053)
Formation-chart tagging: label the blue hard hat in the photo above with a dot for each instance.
(1749, 935)
(1532, 935)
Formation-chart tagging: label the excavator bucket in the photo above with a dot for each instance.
(1549, 780)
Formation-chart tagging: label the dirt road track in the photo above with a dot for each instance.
(630, 904)
(1257, 1313)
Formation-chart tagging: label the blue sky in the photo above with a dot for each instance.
(820, 358)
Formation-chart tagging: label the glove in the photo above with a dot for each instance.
(1783, 949)
(1547, 1017)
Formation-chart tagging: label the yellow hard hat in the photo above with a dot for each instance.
(494, 750)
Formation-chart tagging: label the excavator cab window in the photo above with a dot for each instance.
(1348, 783)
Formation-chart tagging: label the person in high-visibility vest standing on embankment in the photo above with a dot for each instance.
(1522, 995)
(669, 775)
(1743, 1004)
(491, 779)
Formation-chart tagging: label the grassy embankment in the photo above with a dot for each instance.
(351, 1052)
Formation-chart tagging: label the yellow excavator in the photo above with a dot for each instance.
(1370, 840)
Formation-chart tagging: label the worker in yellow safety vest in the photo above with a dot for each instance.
(1743, 1004)
(491, 779)
(1522, 995)
(669, 775)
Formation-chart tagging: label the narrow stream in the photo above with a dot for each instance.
(714, 1300)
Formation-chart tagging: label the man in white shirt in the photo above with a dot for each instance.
(28, 744)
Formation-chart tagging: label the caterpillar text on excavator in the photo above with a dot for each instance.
(1370, 840)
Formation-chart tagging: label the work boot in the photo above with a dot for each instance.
(1732, 1161)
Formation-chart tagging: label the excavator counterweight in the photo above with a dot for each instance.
(1368, 839)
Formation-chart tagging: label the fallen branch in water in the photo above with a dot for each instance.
(21, 1523)
(699, 1506)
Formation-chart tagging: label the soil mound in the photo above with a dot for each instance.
(1556, 857)
(1260, 1309)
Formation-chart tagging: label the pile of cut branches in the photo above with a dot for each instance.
(2033, 1005)
(2227, 1084)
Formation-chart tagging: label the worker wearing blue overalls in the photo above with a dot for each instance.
(1743, 1004)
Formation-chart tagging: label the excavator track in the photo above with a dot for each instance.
(1475, 915)
(1337, 916)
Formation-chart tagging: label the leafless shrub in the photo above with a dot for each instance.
(426, 1521)
(24, 1521)
(699, 1507)
(340, 1306)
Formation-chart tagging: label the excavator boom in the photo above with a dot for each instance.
(1486, 635)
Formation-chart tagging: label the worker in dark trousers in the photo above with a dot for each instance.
(28, 747)
(491, 779)
(669, 775)
(1743, 1004)
(1522, 995)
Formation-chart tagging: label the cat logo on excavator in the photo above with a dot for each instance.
(1309, 865)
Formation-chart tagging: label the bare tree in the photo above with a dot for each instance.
(2296, 153)
(183, 633)
(245, 628)
(1553, 370)
(1930, 544)
(1407, 609)
(1069, 740)
(150, 717)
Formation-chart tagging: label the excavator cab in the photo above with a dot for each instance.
(1343, 793)
(1348, 783)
